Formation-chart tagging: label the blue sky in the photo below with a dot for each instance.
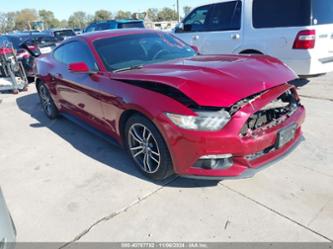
(64, 8)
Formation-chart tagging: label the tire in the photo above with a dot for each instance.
(46, 101)
(251, 52)
(141, 135)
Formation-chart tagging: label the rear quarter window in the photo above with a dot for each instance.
(322, 12)
(281, 13)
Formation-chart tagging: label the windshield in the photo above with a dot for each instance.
(140, 49)
(63, 33)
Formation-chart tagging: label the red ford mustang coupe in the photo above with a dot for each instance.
(174, 110)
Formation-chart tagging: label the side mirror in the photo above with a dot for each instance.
(78, 67)
(179, 28)
(195, 48)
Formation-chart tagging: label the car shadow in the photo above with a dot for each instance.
(96, 147)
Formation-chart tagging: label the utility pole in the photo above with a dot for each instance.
(178, 14)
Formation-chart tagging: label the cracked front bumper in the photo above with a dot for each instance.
(187, 147)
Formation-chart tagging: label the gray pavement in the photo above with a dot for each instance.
(64, 184)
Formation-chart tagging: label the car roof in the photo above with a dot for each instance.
(117, 21)
(54, 30)
(92, 36)
(27, 35)
(128, 20)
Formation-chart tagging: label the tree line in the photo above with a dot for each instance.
(25, 18)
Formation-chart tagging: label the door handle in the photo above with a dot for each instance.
(81, 105)
(235, 36)
(195, 37)
(58, 75)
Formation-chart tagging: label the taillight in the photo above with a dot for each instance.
(305, 39)
(32, 47)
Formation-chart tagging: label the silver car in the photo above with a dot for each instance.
(7, 227)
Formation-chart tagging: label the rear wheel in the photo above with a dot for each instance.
(46, 101)
(147, 148)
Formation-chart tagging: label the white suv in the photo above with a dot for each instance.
(298, 32)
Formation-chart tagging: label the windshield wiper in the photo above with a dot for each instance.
(127, 68)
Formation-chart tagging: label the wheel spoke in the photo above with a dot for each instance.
(138, 153)
(137, 148)
(144, 133)
(157, 161)
(147, 162)
(135, 136)
(149, 136)
(155, 153)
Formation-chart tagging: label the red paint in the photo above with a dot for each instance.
(220, 81)
(78, 67)
(5, 51)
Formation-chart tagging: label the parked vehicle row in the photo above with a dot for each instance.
(28, 46)
(12, 73)
(173, 110)
(298, 32)
(61, 34)
(114, 24)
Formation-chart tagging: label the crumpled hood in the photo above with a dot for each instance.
(218, 81)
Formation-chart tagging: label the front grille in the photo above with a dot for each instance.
(272, 114)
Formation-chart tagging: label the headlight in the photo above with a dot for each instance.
(204, 121)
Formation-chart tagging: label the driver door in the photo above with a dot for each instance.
(78, 92)
(194, 26)
(215, 28)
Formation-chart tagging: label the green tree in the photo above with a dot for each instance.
(187, 10)
(152, 14)
(48, 18)
(3, 22)
(11, 21)
(102, 15)
(123, 14)
(24, 19)
(63, 24)
(167, 14)
(79, 19)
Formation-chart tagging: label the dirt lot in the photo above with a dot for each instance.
(64, 184)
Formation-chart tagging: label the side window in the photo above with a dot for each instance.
(58, 54)
(281, 13)
(73, 52)
(91, 28)
(197, 20)
(225, 16)
(105, 26)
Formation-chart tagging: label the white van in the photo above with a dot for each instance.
(298, 32)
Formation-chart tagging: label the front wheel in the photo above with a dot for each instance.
(147, 148)
(46, 101)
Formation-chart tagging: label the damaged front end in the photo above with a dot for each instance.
(272, 114)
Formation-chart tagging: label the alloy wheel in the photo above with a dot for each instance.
(144, 148)
(45, 100)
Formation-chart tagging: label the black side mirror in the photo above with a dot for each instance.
(180, 28)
